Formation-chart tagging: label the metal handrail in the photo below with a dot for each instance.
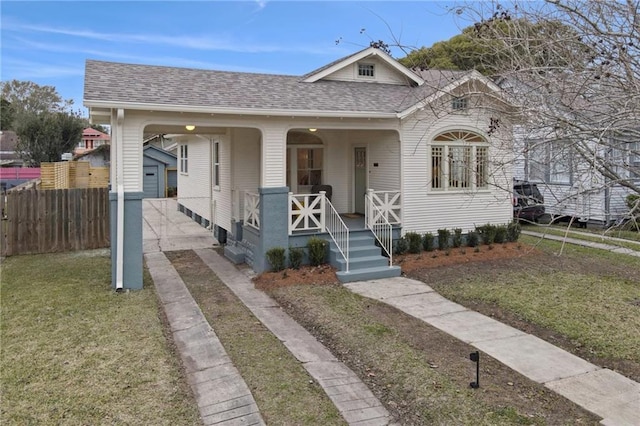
(338, 231)
(379, 225)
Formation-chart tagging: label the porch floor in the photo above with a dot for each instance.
(354, 222)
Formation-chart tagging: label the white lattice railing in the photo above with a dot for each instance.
(338, 231)
(252, 209)
(377, 222)
(306, 212)
(388, 204)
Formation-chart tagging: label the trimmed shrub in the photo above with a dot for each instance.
(427, 241)
(296, 254)
(500, 235)
(487, 233)
(443, 238)
(513, 231)
(457, 238)
(276, 258)
(414, 242)
(473, 239)
(401, 246)
(317, 250)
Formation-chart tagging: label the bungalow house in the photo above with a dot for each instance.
(360, 147)
(91, 139)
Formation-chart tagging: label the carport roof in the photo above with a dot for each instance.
(137, 86)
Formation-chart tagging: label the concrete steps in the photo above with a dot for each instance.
(366, 261)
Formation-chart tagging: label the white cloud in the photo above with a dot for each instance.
(210, 42)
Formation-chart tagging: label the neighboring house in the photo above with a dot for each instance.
(569, 184)
(98, 157)
(9, 156)
(411, 149)
(164, 142)
(91, 139)
(160, 172)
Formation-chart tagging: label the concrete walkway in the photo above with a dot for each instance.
(604, 392)
(592, 244)
(221, 393)
(353, 399)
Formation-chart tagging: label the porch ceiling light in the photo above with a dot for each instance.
(312, 130)
(190, 127)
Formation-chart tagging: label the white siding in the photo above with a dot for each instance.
(132, 153)
(383, 73)
(245, 166)
(427, 211)
(336, 168)
(194, 187)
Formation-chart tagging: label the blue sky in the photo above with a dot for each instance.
(48, 42)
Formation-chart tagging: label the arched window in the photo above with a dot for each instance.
(459, 161)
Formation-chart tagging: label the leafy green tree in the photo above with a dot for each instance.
(7, 114)
(44, 137)
(45, 124)
(28, 97)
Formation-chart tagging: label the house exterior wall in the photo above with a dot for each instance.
(245, 166)
(194, 191)
(425, 210)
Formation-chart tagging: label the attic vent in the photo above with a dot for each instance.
(460, 104)
(366, 70)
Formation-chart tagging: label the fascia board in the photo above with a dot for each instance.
(237, 111)
(474, 75)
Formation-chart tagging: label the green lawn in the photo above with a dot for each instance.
(589, 295)
(75, 352)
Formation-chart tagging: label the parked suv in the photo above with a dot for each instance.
(528, 202)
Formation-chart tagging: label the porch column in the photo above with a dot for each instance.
(274, 195)
(274, 224)
(125, 199)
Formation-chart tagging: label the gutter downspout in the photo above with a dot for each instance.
(120, 212)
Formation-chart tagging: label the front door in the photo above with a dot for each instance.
(360, 178)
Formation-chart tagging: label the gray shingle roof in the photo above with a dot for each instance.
(158, 85)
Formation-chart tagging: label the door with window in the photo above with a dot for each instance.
(359, 178)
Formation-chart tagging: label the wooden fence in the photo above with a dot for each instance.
(73, 174)
(46, 221)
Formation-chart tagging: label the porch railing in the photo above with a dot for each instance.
(388, 204)
(338, 231)
(252, 209)
(306, 212)
(377, 222)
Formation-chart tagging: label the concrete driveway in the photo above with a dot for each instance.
(167, 229)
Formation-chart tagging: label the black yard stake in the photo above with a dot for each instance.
(475, 357)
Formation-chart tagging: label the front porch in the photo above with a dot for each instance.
(360, 245)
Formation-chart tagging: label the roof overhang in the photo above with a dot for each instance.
(102, 109)
(473, 75)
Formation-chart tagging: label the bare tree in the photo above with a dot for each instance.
(573, 67)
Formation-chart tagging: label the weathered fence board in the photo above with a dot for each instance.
(45, 221)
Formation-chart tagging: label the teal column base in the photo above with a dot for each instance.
(132, 247)
(274, 225)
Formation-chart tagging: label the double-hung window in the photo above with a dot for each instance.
(184, 159)
(459, 161)
(216, 165)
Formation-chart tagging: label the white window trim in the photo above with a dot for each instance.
(292, 151)
(184, 159)
(216, 166)
(445, 164)
(366, 64)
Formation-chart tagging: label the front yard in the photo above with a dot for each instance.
(75, 352)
